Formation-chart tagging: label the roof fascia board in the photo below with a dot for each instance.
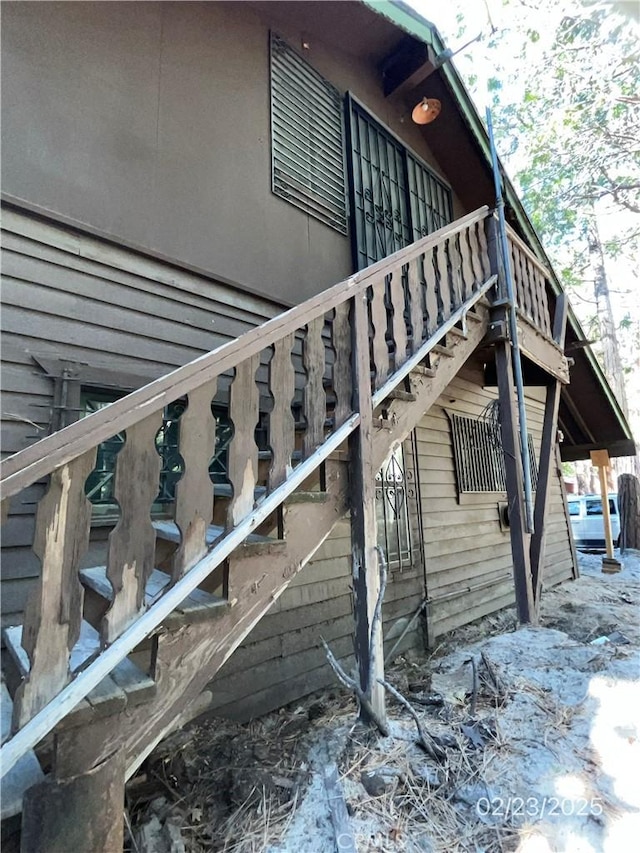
(407, 19)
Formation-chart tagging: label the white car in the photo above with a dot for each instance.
(587, 522)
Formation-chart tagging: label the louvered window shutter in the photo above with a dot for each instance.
(307, 138)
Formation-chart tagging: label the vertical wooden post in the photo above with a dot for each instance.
(366, 575)
(547, 459)
(600, 459)
(515, 494)
(84, 812)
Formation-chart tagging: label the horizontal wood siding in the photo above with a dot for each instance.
(283, 659)
(468, 556)
(111, 311)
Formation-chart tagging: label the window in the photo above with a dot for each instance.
(307, 138)
(398, 507)
(395, 197)
(574, 508)
(478, 455)
(99, 485)
(594, 507)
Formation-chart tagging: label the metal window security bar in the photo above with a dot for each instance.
(478, 455)
(99, 485)
(307, 138)
(398, 508)
(395, 197)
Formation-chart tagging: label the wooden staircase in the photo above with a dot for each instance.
(110, 656)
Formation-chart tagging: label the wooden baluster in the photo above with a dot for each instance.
(378, 311)
(484, 246)
(468, 276)
(281, 421)
(132, 541)
(544, 303)
(342, 368)
(533, 291)
(432, 291)
(536, 300)
(457, 283)
(243, 450)
(194, 490)
(445, 280)
(528, 288)
(476, 253)
(315, 399)
(399, 325)
(54, 611)
(517, 280)
(414, 285)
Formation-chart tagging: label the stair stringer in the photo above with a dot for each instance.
(187, 659)
(403, 415)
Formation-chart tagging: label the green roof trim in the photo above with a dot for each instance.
(410, 21)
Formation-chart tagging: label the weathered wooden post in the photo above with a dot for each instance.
(629, 510)
(600, 460)
(366, 576)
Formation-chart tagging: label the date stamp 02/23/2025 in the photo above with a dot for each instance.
(538, 807)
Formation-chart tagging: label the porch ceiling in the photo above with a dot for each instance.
(590, 416)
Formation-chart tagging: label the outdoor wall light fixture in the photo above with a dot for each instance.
(426, 111)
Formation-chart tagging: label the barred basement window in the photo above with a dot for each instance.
(99, 485)
(478, 456)
(307, 138)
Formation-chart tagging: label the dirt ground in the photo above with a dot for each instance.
(537, 729)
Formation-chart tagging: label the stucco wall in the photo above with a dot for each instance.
(150, 123)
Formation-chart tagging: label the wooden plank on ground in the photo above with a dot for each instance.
(345, 841)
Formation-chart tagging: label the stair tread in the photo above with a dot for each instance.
(96, 579)
(170, 531)
(443, 349)
(307, 497)
(24, 774)
(460, 333)
(127, 683)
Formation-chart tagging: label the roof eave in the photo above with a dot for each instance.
(407, 19)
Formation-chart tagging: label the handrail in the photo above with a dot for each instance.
(52, 713)
(29, 465)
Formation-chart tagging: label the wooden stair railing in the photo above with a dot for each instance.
(530, 279)
(412, 299)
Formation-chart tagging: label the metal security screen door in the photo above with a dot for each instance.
(395, 197)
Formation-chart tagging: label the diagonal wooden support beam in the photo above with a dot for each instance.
(548, 462)
(546, 470)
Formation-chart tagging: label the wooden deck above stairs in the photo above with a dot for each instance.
(110, 657)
